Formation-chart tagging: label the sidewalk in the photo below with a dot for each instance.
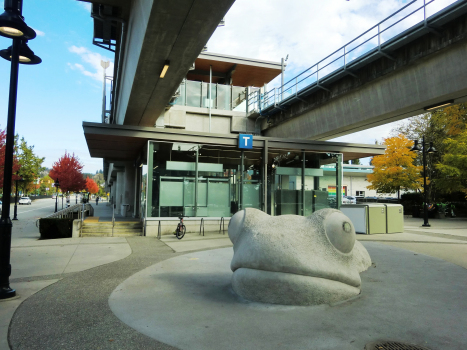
(103, 213)
(65, 287)
(37, 264)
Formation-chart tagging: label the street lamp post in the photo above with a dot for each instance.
(15, 216)
(57, 185)
(417, 148)
(12, 26)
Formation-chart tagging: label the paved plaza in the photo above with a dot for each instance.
(145, 293)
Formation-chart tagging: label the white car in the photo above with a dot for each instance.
(25, 200)
(349, 200)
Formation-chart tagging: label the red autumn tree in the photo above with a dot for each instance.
(91, 186)
(16, 165)
(68, 171)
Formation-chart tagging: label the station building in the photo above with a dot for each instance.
(202, 155)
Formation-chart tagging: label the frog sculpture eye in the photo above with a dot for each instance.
(340, 232)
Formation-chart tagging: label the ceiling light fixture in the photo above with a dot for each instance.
(165, 69)
(439, 105)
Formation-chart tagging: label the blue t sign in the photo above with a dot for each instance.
(245, 141)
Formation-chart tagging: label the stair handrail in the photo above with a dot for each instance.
(82, 220)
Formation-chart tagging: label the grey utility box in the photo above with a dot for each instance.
(394, 218)
(369, 218)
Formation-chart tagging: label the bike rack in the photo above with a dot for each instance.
(222, 226)
(201, 225)
(159, 230)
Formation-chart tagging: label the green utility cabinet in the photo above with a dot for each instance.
(394, 218)
(369, 218)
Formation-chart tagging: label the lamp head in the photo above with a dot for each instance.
(416, 147)
(26, 55)
(57, 183)
(431, 149)
(12, 24)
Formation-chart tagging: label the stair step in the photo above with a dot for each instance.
(104, 229)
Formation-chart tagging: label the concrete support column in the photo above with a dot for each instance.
(138, 176)
(129, 191)
(119, 190)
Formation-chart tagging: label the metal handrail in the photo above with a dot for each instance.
(63, 212)
(271, 97)
(222, 226)
(68, 212)
(201, 225)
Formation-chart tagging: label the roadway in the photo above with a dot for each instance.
(27, 216)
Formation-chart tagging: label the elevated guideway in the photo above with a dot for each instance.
(405, 70)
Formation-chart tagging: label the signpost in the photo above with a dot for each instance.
(245, 141)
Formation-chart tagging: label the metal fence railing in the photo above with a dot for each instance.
(67, 213)
(413, 13)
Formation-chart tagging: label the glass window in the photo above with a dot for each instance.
(193, 93)
(291, 193)
(205, 94)
(144, 181)
(223, 97)
(238, 98)
(181, 100)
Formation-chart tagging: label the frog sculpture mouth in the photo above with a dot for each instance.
(295, 260)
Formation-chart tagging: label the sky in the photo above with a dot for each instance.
(56, 96)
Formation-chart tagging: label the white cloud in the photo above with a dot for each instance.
(85, 5)
(92, 60)
(39, 32)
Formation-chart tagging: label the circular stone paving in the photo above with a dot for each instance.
(187, 302)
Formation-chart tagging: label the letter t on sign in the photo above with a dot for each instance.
(245, 141)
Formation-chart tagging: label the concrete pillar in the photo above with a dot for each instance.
(138, 174)
(113, 186)
(119, 190)
(129, 191)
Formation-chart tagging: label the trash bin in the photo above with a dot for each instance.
(394, 218)
(369, 218)
(125, 210)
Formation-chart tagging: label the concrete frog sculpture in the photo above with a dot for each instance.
(296, 260)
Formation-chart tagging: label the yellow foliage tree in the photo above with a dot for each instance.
(394, 170)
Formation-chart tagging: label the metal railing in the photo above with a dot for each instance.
(371, 39)
(222, 226)
(68, 213)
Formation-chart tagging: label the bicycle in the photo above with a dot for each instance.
(181, 229)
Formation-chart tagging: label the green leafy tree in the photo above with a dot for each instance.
(30, 166)
(453, 165)
(46, 185)
(394, 170)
